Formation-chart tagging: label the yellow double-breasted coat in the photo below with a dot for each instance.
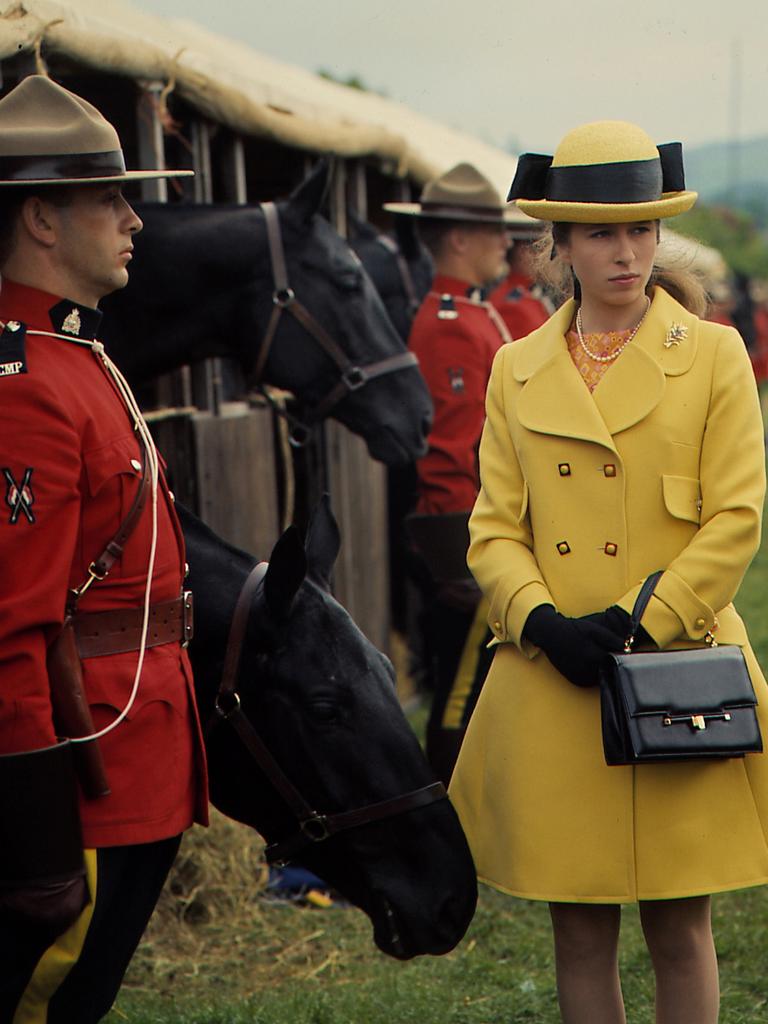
(583, 495)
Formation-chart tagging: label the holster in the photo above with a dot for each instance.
(71, 713)
(40, 836)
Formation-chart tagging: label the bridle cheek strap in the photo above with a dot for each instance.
(314, 827)
(352, 377)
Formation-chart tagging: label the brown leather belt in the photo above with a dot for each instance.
(115, 632)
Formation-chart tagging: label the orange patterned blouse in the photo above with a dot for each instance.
(601, 343)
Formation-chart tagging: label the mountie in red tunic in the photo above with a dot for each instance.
(455, 337)
(521, 308)
(70, 464)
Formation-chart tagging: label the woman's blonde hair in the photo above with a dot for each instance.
(680, 281)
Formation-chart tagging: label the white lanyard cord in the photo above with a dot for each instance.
(152, 467)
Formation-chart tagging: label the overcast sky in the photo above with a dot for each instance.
(522, 74)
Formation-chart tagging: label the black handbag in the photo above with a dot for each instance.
(676, 705)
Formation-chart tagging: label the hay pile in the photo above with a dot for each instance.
(219, 872)
(213, 936)
(210, 900)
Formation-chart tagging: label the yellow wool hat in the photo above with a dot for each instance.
(606, 172)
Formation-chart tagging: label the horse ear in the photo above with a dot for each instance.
(307, 199)
(286, 572)
(322, 544)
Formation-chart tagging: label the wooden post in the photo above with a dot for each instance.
(235, 184)
(358, 192)
(358, 488)
(206, 376)
(151, 143)
(172, 389)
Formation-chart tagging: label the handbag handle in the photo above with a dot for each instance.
(641, 603)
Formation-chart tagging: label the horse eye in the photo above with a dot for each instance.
(324, 711)
(350, 280)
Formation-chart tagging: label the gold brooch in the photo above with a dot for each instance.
(675, 334)
(72, 322)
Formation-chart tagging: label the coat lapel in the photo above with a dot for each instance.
(555, 400)
(664, 346)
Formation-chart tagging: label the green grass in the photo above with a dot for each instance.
(501, 972)
(281, 964)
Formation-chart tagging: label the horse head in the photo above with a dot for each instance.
(386, 401)
(321, 699)
(400, 267)
(203, 283)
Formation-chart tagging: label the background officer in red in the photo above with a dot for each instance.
(455, 335)
(522, 303)
(86, 511)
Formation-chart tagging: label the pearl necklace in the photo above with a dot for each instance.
(612, 355)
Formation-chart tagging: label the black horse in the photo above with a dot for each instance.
(323, 702)
(399, 266)
(202, 285)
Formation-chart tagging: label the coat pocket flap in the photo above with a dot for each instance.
(682, 497)
(112, 460)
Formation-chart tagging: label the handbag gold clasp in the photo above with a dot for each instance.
(696, 721)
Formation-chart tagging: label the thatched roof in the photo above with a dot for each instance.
(249, 92)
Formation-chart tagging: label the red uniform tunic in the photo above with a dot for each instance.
(69, 459)
(521, 309)
(455, 345)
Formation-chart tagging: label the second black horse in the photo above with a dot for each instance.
(203, 284)
(321, 699)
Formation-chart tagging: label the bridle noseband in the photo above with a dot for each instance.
(352, 376)
(314, 826)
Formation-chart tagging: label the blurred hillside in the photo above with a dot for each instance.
(732, 175)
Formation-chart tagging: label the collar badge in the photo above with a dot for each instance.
(675, 334)
(447, 310)
(72, 322)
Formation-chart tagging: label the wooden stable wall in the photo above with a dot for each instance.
(224, 457)
(358, 488)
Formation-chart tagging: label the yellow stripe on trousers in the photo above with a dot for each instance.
(463, 681)
(58, 960)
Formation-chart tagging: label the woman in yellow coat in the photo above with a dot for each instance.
(622, 437)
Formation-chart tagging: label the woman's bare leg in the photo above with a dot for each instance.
(586, 962)
(679, 938)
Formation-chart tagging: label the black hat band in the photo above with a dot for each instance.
(53, 168)
(456, 211)
(630, 181)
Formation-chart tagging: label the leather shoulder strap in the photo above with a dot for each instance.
(100, 567)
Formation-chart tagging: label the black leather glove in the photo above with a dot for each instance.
(576, 647)
(620, 622)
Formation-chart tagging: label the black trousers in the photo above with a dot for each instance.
(128, 885)
(460, 661)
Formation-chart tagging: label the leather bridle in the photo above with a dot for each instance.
(313, 826)
(406, 277)
(352, 375)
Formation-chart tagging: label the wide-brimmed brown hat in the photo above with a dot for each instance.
(603, 172)
(50, 136)
(462, 194)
